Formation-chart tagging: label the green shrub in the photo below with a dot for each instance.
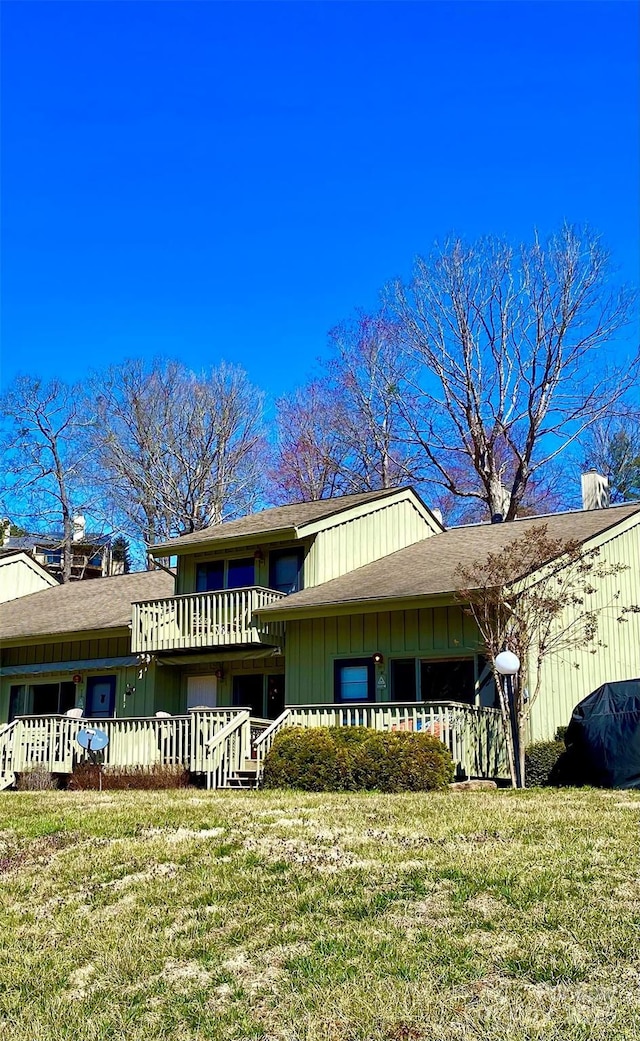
(309, 759)
(560, 733)
(540, 759)
(357, 758)
(86, 777)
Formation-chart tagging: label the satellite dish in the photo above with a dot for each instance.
(92, 740)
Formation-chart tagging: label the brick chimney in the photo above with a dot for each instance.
(595, 491)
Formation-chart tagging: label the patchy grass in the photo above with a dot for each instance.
(266, 916)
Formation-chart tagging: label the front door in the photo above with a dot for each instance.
(275, 695)
(101, 697)
(248, 693)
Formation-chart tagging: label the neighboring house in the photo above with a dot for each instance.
(71, 646)
(340, 610)
(91, 553)
(20, 574)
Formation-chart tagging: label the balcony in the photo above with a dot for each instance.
(203, 620)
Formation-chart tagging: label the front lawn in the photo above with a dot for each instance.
(187, 915)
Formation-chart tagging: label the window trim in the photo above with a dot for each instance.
(338, 665)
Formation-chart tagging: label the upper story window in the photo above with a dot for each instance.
(240, 573)
(213, 575)
(285, 570)
(210, 576)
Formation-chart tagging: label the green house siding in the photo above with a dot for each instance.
(571, 673)
(155, 689)
(356, 541)
(314, 644)
(336, 546)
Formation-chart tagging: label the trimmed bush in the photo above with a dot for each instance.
(356, 758)
(309, 759)
(540, 763)
(86, 777)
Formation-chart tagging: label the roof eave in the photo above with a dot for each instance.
(168, 549)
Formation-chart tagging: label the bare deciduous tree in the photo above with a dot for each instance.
(346, 431)
(45, 459)
(177, 451)
(548, 608)
(309, 452)
(512, 346)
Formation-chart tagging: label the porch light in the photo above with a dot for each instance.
(378, 658)
(508, 665)
(258, 556)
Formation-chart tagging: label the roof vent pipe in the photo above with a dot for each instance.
(595, 490)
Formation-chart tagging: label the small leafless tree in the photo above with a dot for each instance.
(309, 451)
(176, 451)
(515, 359)
(549, 608)
(345, 431)
(45, 460)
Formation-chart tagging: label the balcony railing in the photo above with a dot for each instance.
(220, 619)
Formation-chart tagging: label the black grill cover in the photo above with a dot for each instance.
(603, 736)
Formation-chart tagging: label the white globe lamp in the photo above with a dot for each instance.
(507, 663)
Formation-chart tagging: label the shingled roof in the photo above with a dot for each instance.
(277, 519)
(428, 568)
(101, 603)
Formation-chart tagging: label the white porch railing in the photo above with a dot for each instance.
(219, 742)
(220, 619)
(474, 736)
(144, 742)
(227, 751)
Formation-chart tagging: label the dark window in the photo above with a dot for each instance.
(354, 680)
(67, 697)
(285, 570)
(248, 692)
(240, 573)
(403, 679)
(452, 680)
(45, 699)
(53, 556)
(210, 576)
(17, 701)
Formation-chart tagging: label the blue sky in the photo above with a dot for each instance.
(209, 181)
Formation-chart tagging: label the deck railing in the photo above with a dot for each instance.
(144, 742)
(218, 742)
(217, 619)
(474, 736)
(227, 751)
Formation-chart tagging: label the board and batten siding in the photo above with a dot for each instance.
(313, 644)
(563, 684)
(353, 543)
(156, 689)
(19, 577)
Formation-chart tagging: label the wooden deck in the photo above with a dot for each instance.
(200, 620)
(224, 744)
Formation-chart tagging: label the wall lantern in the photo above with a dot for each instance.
(219, 674)
(258, 556)
(378, 658)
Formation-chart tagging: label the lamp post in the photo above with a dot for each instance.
(508, 665)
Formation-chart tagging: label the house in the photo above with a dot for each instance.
(70, 646)
(20, 574)
(92, 553)
(339, 611)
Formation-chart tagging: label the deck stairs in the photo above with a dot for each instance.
(7, 774)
